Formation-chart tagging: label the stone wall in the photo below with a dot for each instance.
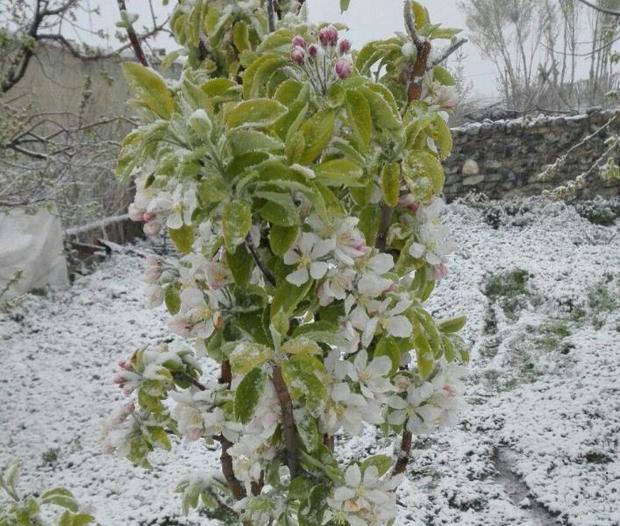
(503, 158)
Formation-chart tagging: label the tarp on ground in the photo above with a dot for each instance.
(31, 242)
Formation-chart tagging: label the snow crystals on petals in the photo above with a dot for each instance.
(365, 499)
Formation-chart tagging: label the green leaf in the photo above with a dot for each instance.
(390, 184)
(60, 497)
(172, 299)
(338, 172)
(241, 36)
(442, 137)
(183, 238)
(237, 221)
(280, 39)
(247, 356)
(248, 395)
(213, 189)
(288, 296)
(279, 209)
(423, 164)
(304, 375)
(257, 113)
(241, 265)
(317, 134)
(243, 141)
(289, 91)
(159, 436)
(308, 430)
(452, 325)
(217, 87)
(420, 15)
(382, 462)
(301, 346)
(151, 89)
(388, 347)
(313, 510)
(370, 220)
(383, 114)
(299, 489)
(358, 111)
(443, 76)
(259, 71)
(424, 356)
(344, 5)
(251, 323)
(282, 238)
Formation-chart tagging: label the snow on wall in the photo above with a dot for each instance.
(33, 244)
(503, 158)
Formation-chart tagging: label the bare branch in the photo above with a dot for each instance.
(410, 25)
(404, 453)
(600, 9)
(133, 37)
(288, 421)
(266, 272)
(452, 49)
(271, 15)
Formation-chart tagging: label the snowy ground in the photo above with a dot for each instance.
(538, 446)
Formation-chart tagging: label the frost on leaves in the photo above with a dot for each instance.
(301, 184)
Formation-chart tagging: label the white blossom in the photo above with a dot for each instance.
(364, 500)
(308, 256)
(433, 244)
(370, 376)
(199, 315)
(374, 314)
(433, 405)
(178, 206)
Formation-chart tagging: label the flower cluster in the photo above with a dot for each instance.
(364, 499)
(431, 405)
(325, 61)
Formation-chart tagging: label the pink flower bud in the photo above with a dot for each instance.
(440, 271)
(409, 202)
(126, 365)
(313, 50)
(344, 46)
(328, 36)
(298, 55)
(147, 217)
(299, 41)
(343, 69)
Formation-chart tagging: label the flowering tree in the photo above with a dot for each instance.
(300, 183)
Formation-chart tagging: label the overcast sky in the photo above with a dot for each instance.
(368, 19)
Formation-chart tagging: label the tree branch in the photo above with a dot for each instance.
(226, 461)
(452, 49)
(404, 453)
(19, 66)
(133, 37)
(600, 9)
(271, 15)
(410, 25)
(288, 421)
(266, 272)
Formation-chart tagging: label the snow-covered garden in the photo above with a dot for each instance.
(538, 443)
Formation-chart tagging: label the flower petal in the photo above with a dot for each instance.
(353, 476)
(299, 277)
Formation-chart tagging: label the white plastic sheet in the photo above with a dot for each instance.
(32, 243)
